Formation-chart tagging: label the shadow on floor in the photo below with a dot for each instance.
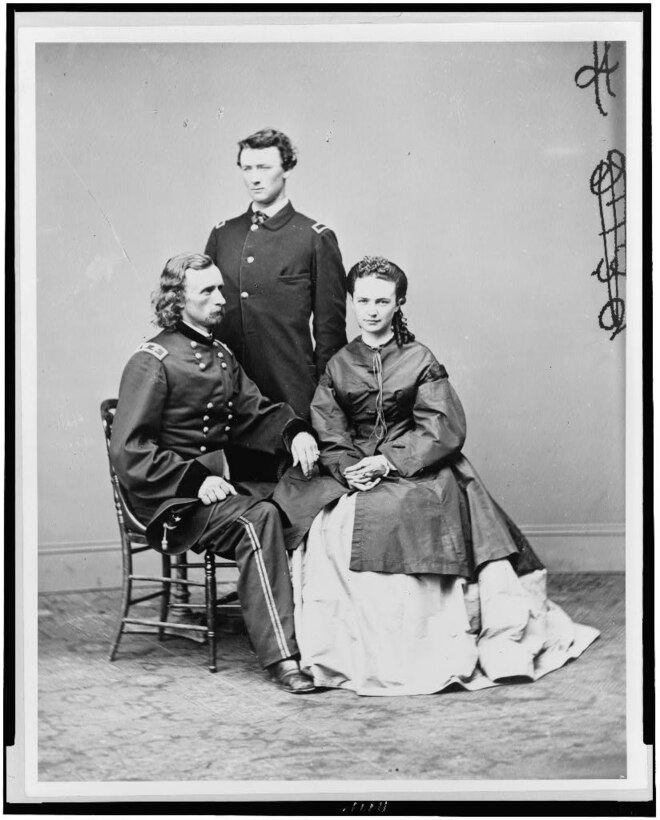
(156, 713)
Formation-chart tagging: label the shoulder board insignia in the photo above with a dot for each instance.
(319, 227)
(155, 349)
(218, 343)
(221, 224)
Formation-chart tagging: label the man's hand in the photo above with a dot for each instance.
(305, 451)
(214, 489)
(368, 469)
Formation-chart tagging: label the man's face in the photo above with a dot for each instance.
(204, 300)
(263, 174)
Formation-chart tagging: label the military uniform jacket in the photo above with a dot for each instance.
(182, 398)
(278, 275)
(433, 513)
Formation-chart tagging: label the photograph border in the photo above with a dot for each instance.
(318, 797)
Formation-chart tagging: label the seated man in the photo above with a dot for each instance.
(183, 397)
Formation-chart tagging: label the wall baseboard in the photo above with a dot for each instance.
(71, 566)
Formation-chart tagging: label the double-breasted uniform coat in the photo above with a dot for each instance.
(183, 397)
(432, 514)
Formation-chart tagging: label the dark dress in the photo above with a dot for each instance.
(433, 514)
(406, 588)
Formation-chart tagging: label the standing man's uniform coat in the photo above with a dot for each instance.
(278, 275)
(183, 397)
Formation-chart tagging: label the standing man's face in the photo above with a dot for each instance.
(204, 300)
(263, 174)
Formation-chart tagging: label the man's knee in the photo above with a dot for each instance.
(263, 512)
(263, 526)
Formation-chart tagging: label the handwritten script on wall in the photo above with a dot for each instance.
(591, 75)
(608, 184)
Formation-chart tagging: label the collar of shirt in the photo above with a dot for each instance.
(278, 220)
(271, 210)
(195, 334)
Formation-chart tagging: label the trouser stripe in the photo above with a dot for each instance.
(265, 585)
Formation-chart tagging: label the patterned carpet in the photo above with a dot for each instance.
(156, 713)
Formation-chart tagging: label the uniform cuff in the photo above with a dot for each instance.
(192, 480)
(294, 427)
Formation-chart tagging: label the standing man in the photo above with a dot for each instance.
(183, 397)
(281, 270)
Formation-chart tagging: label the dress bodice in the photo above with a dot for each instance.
(366, 379)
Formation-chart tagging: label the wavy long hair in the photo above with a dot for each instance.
(170, 298)
(382, 268)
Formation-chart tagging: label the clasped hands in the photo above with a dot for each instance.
(304, 449)
(367, 473)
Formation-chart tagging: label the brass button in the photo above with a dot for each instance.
(222, 364)
(210, 405)
(229, 417)
(254, 227)
(205, 430)
(250, 260)
(202, 449)
(193, 345)
(202, 366)
(230, 404)
(221, 355)
(227, 429)
(244, 295)
(198, 355)
(206, 418)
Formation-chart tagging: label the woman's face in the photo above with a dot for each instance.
(375, 304)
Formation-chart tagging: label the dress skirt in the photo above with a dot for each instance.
(395, 634)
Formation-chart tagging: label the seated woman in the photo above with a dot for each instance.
(411, 577)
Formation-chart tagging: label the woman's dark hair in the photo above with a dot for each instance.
(169, 300)
(382, 268)
(269, 138)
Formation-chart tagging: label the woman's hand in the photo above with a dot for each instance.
(368, 469)
(215, 489)
(305, 451)
(367, 473)
(362, 486)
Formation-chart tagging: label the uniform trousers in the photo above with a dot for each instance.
(256, 542)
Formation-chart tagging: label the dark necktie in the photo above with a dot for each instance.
(258, 217)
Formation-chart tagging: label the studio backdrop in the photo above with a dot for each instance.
(474, 166)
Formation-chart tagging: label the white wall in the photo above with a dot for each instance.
(468, 164)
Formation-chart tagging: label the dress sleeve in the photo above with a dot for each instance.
(260, 423)
(142, 465)
(329, 299)
(439, 425)
(334, 432)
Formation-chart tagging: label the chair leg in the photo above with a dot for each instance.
(165, 595)
(126, 592)
(209, 574)
(181, 591)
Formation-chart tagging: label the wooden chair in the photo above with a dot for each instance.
(169, 584)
